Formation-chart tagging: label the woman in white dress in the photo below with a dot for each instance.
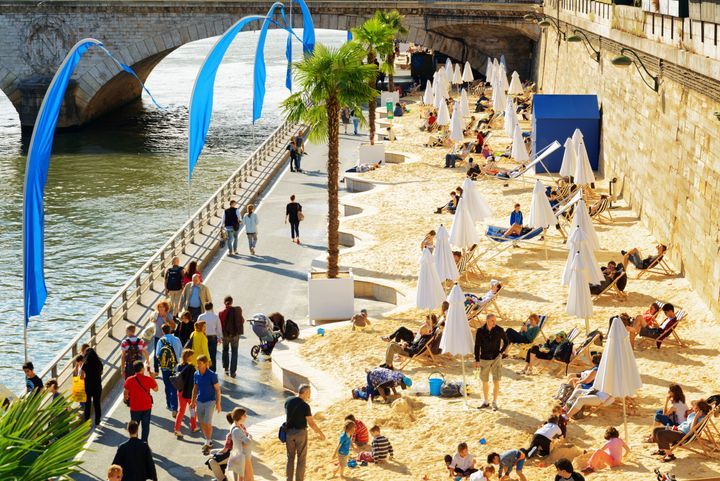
(240, 461)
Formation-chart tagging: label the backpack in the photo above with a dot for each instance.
(174, 278)
(292, 331)
(563, 352)
(132, 354)
(452, 389)
(166, 355)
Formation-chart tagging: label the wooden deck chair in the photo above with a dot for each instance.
(523, 348)
(581, 357)
(465, 259)
(702, 440)
(670, 336)
(613, 289)
(658, 266)
(602, 211)
(564, 212)
(538, 160)
(426, 352)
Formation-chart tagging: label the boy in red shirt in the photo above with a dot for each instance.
(137, 396)
(361, 438)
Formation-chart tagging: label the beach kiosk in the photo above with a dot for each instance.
(555, 117)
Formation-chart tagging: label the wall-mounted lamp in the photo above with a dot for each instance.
(579, 36)
(623, 60)
(545, 22)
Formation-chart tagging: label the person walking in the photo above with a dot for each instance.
(297, 418)
(300, 146)
(32, 380)
(355, 120)
(168, 351)
(162, 316)
(293, 214)
(194, 297)
(293, 149)
(240, 459)
(186, 371)
(490, 344)
(137, 396)
(232, 325)
(132, 349)
(345, 118)
(250, 219)
(114, 473)
(205, 397)
(198, 342)
(173, 285)
(135, 457)
(93, 369)
(231, 220)
(213, 332)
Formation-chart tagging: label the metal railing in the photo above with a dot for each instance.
(130, 294)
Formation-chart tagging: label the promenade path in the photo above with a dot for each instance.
(273, 280)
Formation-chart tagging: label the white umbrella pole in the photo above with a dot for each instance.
(587, 326)
(465, 383)
(625, 419)
(545, 243)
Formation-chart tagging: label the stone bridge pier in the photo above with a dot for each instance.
(36, 37)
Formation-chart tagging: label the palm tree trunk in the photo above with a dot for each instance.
(391, 77)
(333, 114)
(372, 103)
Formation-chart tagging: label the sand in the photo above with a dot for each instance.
(423, 429)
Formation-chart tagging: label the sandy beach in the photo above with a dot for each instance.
(423, 429)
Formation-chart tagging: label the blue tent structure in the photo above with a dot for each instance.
(556, 116)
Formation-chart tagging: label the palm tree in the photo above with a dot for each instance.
(39, 440)
(377, 40)
(327, 81)
(394, 21)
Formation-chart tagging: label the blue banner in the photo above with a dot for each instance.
(349, 36)
(36, 170)
(288, 56)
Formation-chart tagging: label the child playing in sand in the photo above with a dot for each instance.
(361, 437)
(610, 454)
(462, 464)
(484, 475)
(381, 448)
(342, 451)
(360, 321)
(514, 458)
(540, 443)
(557, 411)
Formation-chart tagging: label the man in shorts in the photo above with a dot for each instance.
(205, 398)
(635, 257)
(490, 344)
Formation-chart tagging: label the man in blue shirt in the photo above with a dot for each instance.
(168, 352)
(205, 396)
(516, 222)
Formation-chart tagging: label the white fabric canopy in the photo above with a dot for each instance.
(567, 168)
(467, 75)
(510, 117)
(503, 81)
(443, 117)
(457, 75)
(456, 124)
(457, 338)
(428, 97)
(578, 244)
(516, 87)
(438, 100)
(581, 220)
(519, 153)
(479, 209)
(464, 103)
(489, 70)
(502, 61)
(448, 69)
(618, 373)
(462, 231)
(430, 292)
(499, 99)
(579, 302)
(583, 169)
(576, 136)
(541, 213)
(443, 256)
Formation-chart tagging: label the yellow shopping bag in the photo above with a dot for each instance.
(77, 394)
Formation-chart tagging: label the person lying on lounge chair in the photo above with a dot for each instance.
(545, 352)
(666, 438)
(511, 173)
(495, 287)
(469, 127)
(528, 331)
(594, 208)
(664, 328)
(403, 334)
(429, 124)
(360, 168)
(406, 349)
(459, 152)
(440, 140)
(648, 319)
(610, 272)
(586, 378)
(490, 167)
(582, 398)
(450, 206)
(634, 256)
(516, 222)
(473, 169)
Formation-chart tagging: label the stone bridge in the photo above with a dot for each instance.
(36, 36)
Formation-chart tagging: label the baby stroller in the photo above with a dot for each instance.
(268, 334)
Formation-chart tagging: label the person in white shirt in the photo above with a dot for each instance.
(542, 438)
(485, 475)
(463, 463)
(586, 397)
(213, 330)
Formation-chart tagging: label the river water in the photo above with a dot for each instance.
(117, 189)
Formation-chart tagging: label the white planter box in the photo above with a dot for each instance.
(331, 299)
(371, 154)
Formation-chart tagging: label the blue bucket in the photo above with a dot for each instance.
(436, 383)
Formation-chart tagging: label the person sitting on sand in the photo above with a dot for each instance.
(558, 412)
(462, 464)
(389, 134)
(485, 474)
(406, 349)
(542, 439)
(382, 382)
(565, 471)
(581, 398)
(528, 331)
(545, 352)
(474, 169)
(516, 222)
(428, 242)
(398, 111)
(634, 256)
(506, 461)
(675, 410)
(360, 321)
(381, 448)
(664, 328)
(403, 334)
(609, 455)
(450, 206)
(666, 437)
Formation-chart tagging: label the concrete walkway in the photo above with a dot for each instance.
(272, 280)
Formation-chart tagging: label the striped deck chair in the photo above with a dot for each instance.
(670, 335)
(551, 363)
(465, 261)
(523, 348)
(702, 439)
(473, 311)
(658, 266)
(602, 209)
(581, 356)
(425, 354)
(613, 289)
